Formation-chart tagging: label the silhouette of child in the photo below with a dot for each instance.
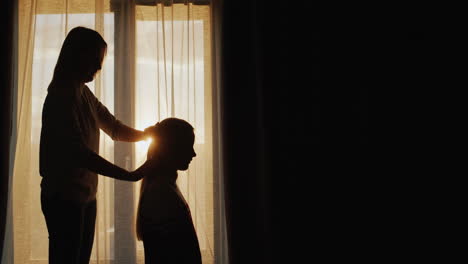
(164, 222)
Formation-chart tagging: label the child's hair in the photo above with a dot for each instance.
(165, 134)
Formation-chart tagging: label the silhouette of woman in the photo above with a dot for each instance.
(69, 162)
(164, 222)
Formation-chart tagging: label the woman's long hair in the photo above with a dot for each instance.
(165, 136)
(82, 45)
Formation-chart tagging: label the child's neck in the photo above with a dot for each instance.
(169, 176)
(166, 174)
(161, 170)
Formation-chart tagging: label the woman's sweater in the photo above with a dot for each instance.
(69, 144)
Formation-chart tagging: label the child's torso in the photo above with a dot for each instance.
(163, 203)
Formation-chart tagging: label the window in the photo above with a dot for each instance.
(171, 62)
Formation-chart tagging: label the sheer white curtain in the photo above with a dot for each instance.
(173, 65)
(167, 73)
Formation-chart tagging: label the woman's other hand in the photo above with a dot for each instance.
(136, 175)
(150, 131)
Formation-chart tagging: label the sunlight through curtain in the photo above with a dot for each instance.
(172, 78)
(174, 69)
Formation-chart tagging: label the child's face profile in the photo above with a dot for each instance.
(177, 154)
(185, 152)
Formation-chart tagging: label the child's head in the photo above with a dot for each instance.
(172, 144)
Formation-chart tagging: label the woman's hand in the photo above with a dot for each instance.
(150, 131)
(136, 175)
(145, 169)
(139, 173)
(147, 132)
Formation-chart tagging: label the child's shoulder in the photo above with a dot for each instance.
(159, 188)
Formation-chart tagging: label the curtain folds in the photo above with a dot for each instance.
(221, 234)
(168, 72)
(8, 57)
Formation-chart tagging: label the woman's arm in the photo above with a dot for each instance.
(128, 134)
(111, 125)
(65, 139)
(97, 164)
(90, 160)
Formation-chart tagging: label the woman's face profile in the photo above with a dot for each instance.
(93, 65)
